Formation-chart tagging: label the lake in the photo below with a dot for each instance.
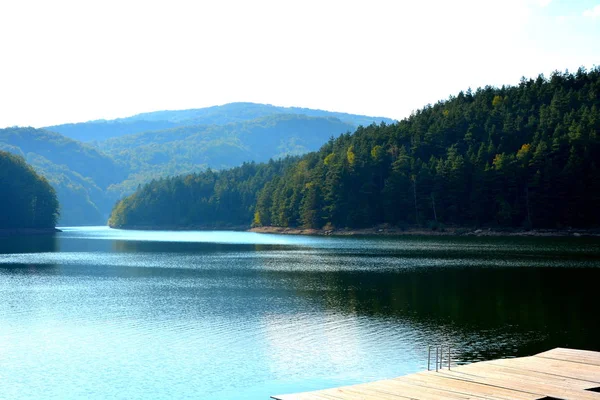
(99, 313)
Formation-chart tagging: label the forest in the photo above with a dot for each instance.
(178, 151)
(210, 199)
(78, 172)
(93, 164)
(522, 156)
(28, 200)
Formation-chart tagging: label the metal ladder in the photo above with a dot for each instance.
(439, 357)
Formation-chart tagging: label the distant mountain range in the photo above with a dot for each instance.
(93, 164)
(217, 115)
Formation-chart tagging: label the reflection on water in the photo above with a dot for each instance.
(557, 304)
(105, 313)
(28, 244)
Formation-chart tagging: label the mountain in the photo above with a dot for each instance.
(122, 154)
(217, 115)
(515, 156)
(192, 148)
(28, 200)
(79, 173)
(102, 130)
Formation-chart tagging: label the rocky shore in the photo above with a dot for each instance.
(385, 230)
(448, 231)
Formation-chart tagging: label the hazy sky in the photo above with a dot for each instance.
(69, 61)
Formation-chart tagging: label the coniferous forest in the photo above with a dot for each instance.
(93, 164)
(27, 200)
(523, 156)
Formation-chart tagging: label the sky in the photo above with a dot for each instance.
(72, 61)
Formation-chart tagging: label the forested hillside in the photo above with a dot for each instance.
(151, 155)
(90, 177)
(210, 199)
(27, 200)
(516, 156)
(79, 173)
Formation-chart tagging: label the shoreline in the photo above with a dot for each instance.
(383, 230)
(181, 228)
(27, 231)
(452, 231)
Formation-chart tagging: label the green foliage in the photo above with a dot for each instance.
(89, 179)
(204, 200)
(28, 200)
(181, 150)
(514, 156)
(475, 159)
(79, 173)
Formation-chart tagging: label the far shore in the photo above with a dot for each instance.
(451, 231)
(383, 230)
(27, 231)
(181, 228)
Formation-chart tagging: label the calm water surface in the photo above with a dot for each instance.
(99, 313)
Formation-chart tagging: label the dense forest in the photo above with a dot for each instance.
(122, 154)
(211, 199)
(176, 151)
(515, 156)
(28, 200)
(79, 173)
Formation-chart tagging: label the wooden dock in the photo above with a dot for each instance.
(556, 374)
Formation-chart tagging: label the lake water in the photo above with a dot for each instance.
(98, 313)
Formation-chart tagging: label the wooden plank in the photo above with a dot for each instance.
(523, 385)
(363, 391)
(417, 391)
(559, 373)
(436, 380)
(368, 391)
(516, 371)
(579, 356)
(586, 372)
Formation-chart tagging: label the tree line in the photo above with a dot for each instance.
(210, 199)
(27, 200)
(515, 156)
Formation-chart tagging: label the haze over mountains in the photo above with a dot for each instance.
(93, 164)
(216, 115)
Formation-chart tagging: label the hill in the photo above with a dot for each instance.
(28, 201)
(210, 199)
(515, 156)
(151, 155)
(90, 177)
(79, 173)
(217, 115)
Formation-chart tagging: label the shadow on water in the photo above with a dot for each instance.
(556, 305)
(29, 269)
(28, 244)
(548, 307)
